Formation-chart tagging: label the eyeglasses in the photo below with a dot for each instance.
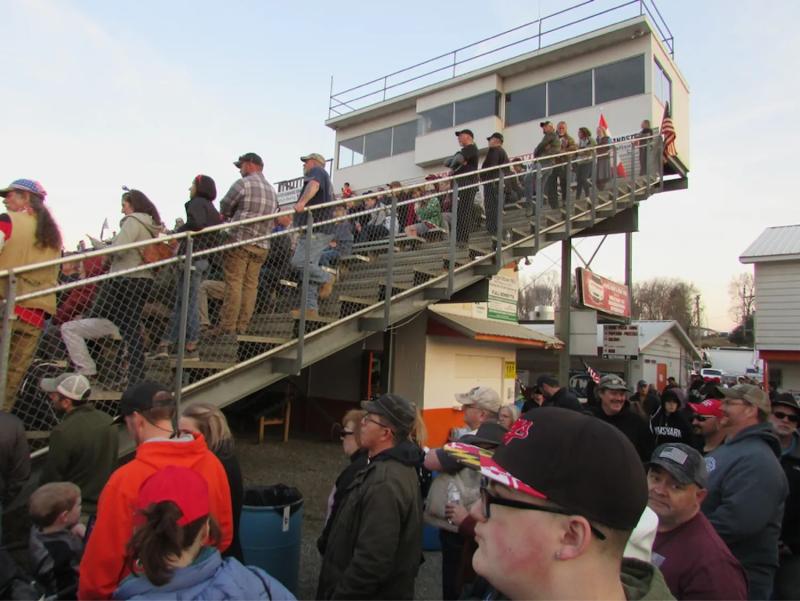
(366, 418)
(344, 434)
(488, 499)
(792, 417)
(700, 418)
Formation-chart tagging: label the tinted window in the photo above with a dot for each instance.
(434, 119)
(404, 137)
(570, 93)
(526, 105)
(477, 107)
(378, 144)
(618, 80)
(662, 84)
(351, 152)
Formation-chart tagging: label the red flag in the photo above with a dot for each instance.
(604, 124)
(668, 131)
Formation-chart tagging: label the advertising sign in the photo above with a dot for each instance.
(602, 294)
(620, 342)
(503, 290)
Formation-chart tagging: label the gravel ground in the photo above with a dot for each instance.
(312, 467)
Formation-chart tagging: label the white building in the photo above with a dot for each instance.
(775, 256)
(623, 71)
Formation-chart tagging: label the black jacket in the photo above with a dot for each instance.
(234, 473)
(375, 544)
(358, 461)
(15, 457)
(495, 156)
(632, 426)
(564, 399)
(790, 531)
(200, 214)
(670, 428)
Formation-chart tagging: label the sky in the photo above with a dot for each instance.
(148, 94)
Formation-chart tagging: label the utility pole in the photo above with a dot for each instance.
(564, 309)
(697, 312)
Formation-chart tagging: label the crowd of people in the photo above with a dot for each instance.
(620, 507)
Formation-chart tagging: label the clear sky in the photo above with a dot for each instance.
(147, 94)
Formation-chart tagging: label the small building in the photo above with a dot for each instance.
(775, 256)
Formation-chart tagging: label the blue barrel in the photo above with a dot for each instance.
(269, 530)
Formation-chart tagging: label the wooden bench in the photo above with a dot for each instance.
(264, 421)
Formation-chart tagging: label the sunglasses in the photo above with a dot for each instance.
(488, 499)
(345, 433)
(792, 417)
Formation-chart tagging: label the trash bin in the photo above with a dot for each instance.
(269, 530)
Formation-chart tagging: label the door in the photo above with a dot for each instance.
(661, 376)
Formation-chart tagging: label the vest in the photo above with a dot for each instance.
(21, 250)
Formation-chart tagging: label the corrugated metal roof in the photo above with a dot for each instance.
(780, 243)
(487, 329)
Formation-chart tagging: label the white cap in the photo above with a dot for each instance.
(73, 386)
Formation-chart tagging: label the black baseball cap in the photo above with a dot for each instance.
(465, 131)
(546, 379)
(543, 123)
(143, 396)
(592, 469)
(683, 463)
(787, 400)
(400, 412)
(249, 157)
(497, 135)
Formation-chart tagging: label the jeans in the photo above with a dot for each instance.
(200, 266)
(316, 275)
(242, 266)
(329, 257)
(583, 174)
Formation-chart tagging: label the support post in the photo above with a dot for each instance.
(568, 198)
(5, 342)
(498, 259)
(629, 284)
(185, 288)
(538, 209)
(593, 192)
(387, 306)
(301, 324)
(453, 235)
(564, 309)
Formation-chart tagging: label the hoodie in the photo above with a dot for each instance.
(670, 427)
(642, 581)
(133, 228)
(374, 547)
(103, 565)
(54, 560)
(746, 493)
(790, 461)
(208, 577)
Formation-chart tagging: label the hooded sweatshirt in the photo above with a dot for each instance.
(133, 228)
(746, 493)
(375, 544)
(641, 580)
(103, 565)
(790, 460)
(54, 559)
(208, 577)
(670, 427)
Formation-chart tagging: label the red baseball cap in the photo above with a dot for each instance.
(711, 407)
(181, 485)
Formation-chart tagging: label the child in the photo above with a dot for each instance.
(56, 540)
(342, 243)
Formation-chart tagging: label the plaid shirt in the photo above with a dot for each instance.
(251, 196)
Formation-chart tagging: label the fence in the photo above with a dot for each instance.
(240, 293)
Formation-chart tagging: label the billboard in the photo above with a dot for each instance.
(620, 342)
(602, 294)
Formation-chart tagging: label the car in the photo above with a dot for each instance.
(709, 374)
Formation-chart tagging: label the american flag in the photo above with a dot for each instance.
(592, 373)
(668, 131)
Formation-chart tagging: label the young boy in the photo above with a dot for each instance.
(342, 243)
(56, 540)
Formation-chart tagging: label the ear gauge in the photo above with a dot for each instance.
(557, 555)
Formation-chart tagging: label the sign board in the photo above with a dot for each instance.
(503, 291)
(582, 332)
(287, 197)
(510, 370)
(602, 294)
(620, 342)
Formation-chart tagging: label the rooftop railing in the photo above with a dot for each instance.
(546, 31)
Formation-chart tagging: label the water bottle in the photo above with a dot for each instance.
(453, 494)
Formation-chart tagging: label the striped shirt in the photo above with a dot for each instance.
(250, 196)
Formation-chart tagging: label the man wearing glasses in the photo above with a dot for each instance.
(374, 547)
(560, 499)
(784, 418)
(747, 487)
(707, 424)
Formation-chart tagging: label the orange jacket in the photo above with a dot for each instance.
(103, 564)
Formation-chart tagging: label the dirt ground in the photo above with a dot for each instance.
(312, 467)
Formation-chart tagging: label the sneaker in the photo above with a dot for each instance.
(191, 354)
(310, 314)
(326, 288)
(162, 351)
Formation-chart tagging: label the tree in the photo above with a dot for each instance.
(665, 298)
(539, 290)
(742, 335)
(742, 294)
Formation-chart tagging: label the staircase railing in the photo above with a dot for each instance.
(213, 309)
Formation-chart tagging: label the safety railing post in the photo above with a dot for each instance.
(659, 158)
(568, 198)
(5, 343)
(453, 236)
(538, 209)
(593, 189)
(648, 166)
(634, 162)
(301, 324)
(501, 189)
(614, 188)
(184, 292)
(387, 305)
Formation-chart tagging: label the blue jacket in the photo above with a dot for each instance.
(209, 577)
(746, 492)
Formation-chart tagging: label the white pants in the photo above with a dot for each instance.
(74, 334)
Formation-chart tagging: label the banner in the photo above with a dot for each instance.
(602, 294)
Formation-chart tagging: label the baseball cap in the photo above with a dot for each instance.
(711, 407)
(249, 157)
(543, 123)
(400, 412)
(71, 385)
(181, 485)
(315, 156)
(752, 394)
(488, 433)
(612, 382)
(786, 399)
(143, 396)
(465, 131)
(684, 463)
(25, 185)
(546, 379)
(497, 135)
(641, 383)
(482, 397)
(592, 468)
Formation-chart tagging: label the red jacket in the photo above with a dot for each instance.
(103, 564)
(78, 300)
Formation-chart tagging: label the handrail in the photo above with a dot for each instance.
(342, 102)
